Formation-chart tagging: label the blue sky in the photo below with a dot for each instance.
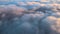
(23, 0)
(19, 0)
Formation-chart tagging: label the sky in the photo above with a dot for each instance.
(29, 0)
(48, 1)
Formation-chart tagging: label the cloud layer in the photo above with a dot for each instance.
(29, 18)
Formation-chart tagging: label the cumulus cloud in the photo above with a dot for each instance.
(29, 18)
(54, 22)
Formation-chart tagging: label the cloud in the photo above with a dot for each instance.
(19, 19)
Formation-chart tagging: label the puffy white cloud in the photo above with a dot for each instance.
(54, 23)
(29, 19)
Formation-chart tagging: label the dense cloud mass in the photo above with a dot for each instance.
(29, 18)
